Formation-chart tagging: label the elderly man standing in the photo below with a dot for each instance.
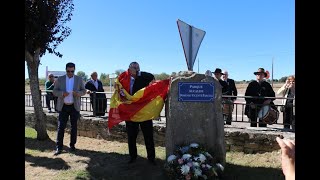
(232, 91)
(68, 88)
(133, 80)
(98, 100)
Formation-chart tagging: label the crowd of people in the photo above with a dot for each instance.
(67, 90)
(259, 96)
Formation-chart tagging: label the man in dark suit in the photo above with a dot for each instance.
(218, 74)
(137, 80)
(98, 100)
(232, 91)
(68, 88)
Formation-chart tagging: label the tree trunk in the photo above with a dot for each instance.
(41, 119)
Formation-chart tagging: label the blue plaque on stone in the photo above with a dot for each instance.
(196, 91)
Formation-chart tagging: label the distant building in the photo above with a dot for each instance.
(56, 74)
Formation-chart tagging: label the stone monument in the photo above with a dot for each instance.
(194, 114)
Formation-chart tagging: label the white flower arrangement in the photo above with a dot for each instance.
(192, 162)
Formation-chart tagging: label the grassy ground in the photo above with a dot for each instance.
(102, 159)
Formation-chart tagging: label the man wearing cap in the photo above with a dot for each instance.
(258, 88)
(218, 73)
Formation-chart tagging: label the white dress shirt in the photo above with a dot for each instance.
(69, 88)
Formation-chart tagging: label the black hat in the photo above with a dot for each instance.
(261, 70)
(218, 70)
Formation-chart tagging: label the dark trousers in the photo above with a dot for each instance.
(287, 117)
(253, 118)
(100, 106)
(50, 97)
(67, 110)
(147, 130)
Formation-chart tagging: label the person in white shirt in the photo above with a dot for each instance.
(288, 91)
(68, 88)
(98, 100)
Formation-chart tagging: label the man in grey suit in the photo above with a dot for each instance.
(68, 88)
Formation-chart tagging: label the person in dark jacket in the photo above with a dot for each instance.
(232, 91)
(258, 89)
(138, 80)
(49, 85)
(97, 100)
(218, 74)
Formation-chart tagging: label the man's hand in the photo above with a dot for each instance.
(65, 94)
(152, 82)
(287, 157)
(252, 105)
(267, 101)
(75, 94)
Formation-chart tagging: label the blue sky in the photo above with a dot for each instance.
(241, 36)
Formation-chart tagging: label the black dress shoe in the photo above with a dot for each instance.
(58, 151)
(72, 149)
(132, 160)
(153, 162)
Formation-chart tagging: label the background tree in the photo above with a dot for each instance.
(283, 79)
(104, 78)
(161, 76)
(82, 75)
(44, 30)
(119, 71)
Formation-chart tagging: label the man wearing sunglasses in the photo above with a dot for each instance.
(68, 88)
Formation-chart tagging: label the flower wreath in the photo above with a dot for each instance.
(192, 162)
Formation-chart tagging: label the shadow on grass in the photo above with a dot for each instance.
(237, 172)
(42, 146)
(101, 165)
(114, 166)
(49, 163)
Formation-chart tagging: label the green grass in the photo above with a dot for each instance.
(30, 132)
(238, 164)
(73, 174)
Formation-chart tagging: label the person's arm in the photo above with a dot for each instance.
(57, 90)
(47, 87)
(234, 90)
(148, 77)
(282, 91)
(287, 157)
(82, 91)
(248, 93)
(89, 87)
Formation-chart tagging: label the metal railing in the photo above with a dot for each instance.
(235, 109)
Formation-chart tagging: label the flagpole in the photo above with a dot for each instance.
(190, 68)
(198, 65)
(272, 73)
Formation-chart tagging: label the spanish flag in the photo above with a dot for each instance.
(145, 104)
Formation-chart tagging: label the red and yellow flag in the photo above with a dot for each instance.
(145, 104)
